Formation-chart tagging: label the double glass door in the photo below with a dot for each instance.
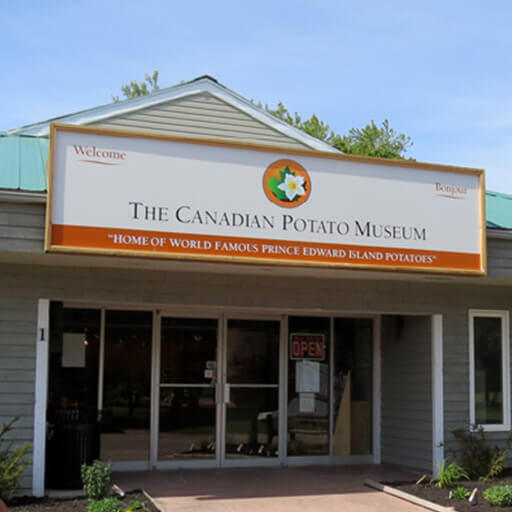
(218, 390)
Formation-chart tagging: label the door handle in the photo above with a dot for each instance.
(226, 393)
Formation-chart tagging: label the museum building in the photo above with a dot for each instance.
(188, 282)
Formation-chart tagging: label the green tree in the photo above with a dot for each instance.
(135, 89)
(372, 140)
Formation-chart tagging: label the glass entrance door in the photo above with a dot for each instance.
(188, 377)
(251, 389)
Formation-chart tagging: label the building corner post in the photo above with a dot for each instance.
(40, 396)
(437, 392)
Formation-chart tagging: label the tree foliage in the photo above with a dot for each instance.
(372, 140)
(135, 89)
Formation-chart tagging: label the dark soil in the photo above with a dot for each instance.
(440, 496)
(29, 504)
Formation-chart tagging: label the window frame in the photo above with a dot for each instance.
(505, 369)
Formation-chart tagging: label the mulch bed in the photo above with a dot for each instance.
(29, 504)
(429, 492)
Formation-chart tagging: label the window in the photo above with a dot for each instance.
(489, 368)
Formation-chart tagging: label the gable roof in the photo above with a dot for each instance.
(204, 84)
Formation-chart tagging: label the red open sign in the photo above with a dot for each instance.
(307, 346)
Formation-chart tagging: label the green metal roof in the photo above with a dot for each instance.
(498, 210)
(23, 167)
(23, 162)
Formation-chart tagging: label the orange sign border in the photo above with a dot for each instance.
(50, 247)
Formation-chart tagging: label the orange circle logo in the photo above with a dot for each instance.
(286, 183)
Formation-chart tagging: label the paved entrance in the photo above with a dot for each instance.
(304, 489)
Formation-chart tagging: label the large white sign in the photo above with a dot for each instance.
(162, 196)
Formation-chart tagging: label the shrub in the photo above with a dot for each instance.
(450, 473)
(481, 460)
(96, 480)
(497, 465)
(137, 506)
(12, 462)
(461, 493)
(500, 495)
(105, 505)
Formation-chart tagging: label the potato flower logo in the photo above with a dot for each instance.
(286, 183)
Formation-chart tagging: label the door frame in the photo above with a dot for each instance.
(270, 461)
(375, 456)
(220, 421)
(155, 392)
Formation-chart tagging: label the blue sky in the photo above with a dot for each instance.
(440, 71)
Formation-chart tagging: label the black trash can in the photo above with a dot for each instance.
(73, 439)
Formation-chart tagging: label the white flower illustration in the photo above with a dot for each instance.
(292, 186)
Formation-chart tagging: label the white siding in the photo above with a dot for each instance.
(201, 115)
(21, 227)
(406, 391)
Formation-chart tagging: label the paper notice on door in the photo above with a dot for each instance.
(306, 402)
(307, 376)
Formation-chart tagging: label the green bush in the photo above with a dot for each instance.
(12, 462)
(105, 505)
(500, 495)
(96, 480)
(450, 473)
(137, 506)
(461, 493)
(481, 460)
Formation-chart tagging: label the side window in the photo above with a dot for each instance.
(489, 363)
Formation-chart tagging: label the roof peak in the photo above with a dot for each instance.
(207, 77)
(201, 84)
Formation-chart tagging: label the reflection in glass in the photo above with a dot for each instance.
(187, 423)
(352, 429)
(74, 359)
(189, 347)
(251, 422)
(308, 393)
(127, 388)
(253, 352)
(488, 371)
(72, 394)
(188, 377)
(252, 411)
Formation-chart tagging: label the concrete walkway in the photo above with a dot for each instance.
(304, 489)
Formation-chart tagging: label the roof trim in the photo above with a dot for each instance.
(21, 196)
(198, 86)
(501, 234)
(501, 195)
